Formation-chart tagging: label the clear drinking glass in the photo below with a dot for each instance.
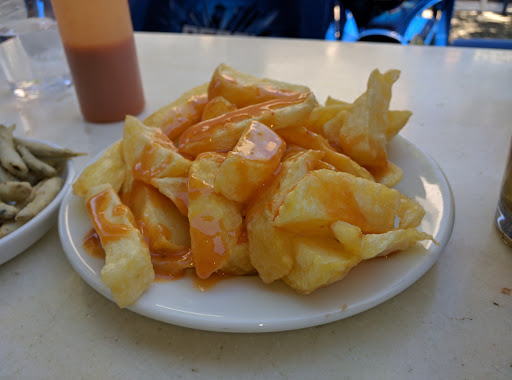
(31, 53)
(504, 209)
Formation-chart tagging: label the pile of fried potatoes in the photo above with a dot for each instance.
(29, 178)
(243, 176)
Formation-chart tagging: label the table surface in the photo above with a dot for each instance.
(455, 322)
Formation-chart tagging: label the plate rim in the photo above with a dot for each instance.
(222, 325)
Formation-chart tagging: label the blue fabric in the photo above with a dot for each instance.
(405, 22)
(280, 18)
(487, 43)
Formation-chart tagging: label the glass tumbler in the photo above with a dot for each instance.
(31, 54)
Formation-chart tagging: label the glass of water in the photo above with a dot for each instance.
(31, 55)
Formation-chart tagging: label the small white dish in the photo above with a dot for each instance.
(22, 238)
(245, 304)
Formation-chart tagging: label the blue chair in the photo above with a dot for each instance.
(484, 43)
(405, 24)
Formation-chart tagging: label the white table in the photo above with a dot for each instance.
(453, 323)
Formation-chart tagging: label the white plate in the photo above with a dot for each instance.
(245, 304)
(22, 238)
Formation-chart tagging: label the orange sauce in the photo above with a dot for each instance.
(167, 267)
(244, 95)
(260, 143)
(92, 245)
(196, 187)
(208, 127)
(195, 192)
(157, 237)
(181, 200)
(208, 243)
(179, 118)
(167, 263)
(243, 238)
(216, 107)
(107, 231)
(205, 284)
(144, 167)
(171, 266)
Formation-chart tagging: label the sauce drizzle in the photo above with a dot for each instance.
(208, 127)
(107, 230)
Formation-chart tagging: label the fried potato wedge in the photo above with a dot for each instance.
(185, 111)
(243, 89)
(215, 221)
(349, 236)
(239, 261)
(368, 246)
(318, 263)
(330, 101)
(291, 150)
(128, 271)
(163, 227)
(128, 181)
(306, 139)
(327, 121)
(109, 168)
(216, 107)
(247, 175)
(174, 188)
(222, 133)
(398, 240)
(321, 115)
(150, 154)
(270, 247)
(251, 163)
(389, 175)
(410, 212)
(363, 135)
(292, 171)
(396, 121)
(324, 165)
(323, 197)
(331, 129)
